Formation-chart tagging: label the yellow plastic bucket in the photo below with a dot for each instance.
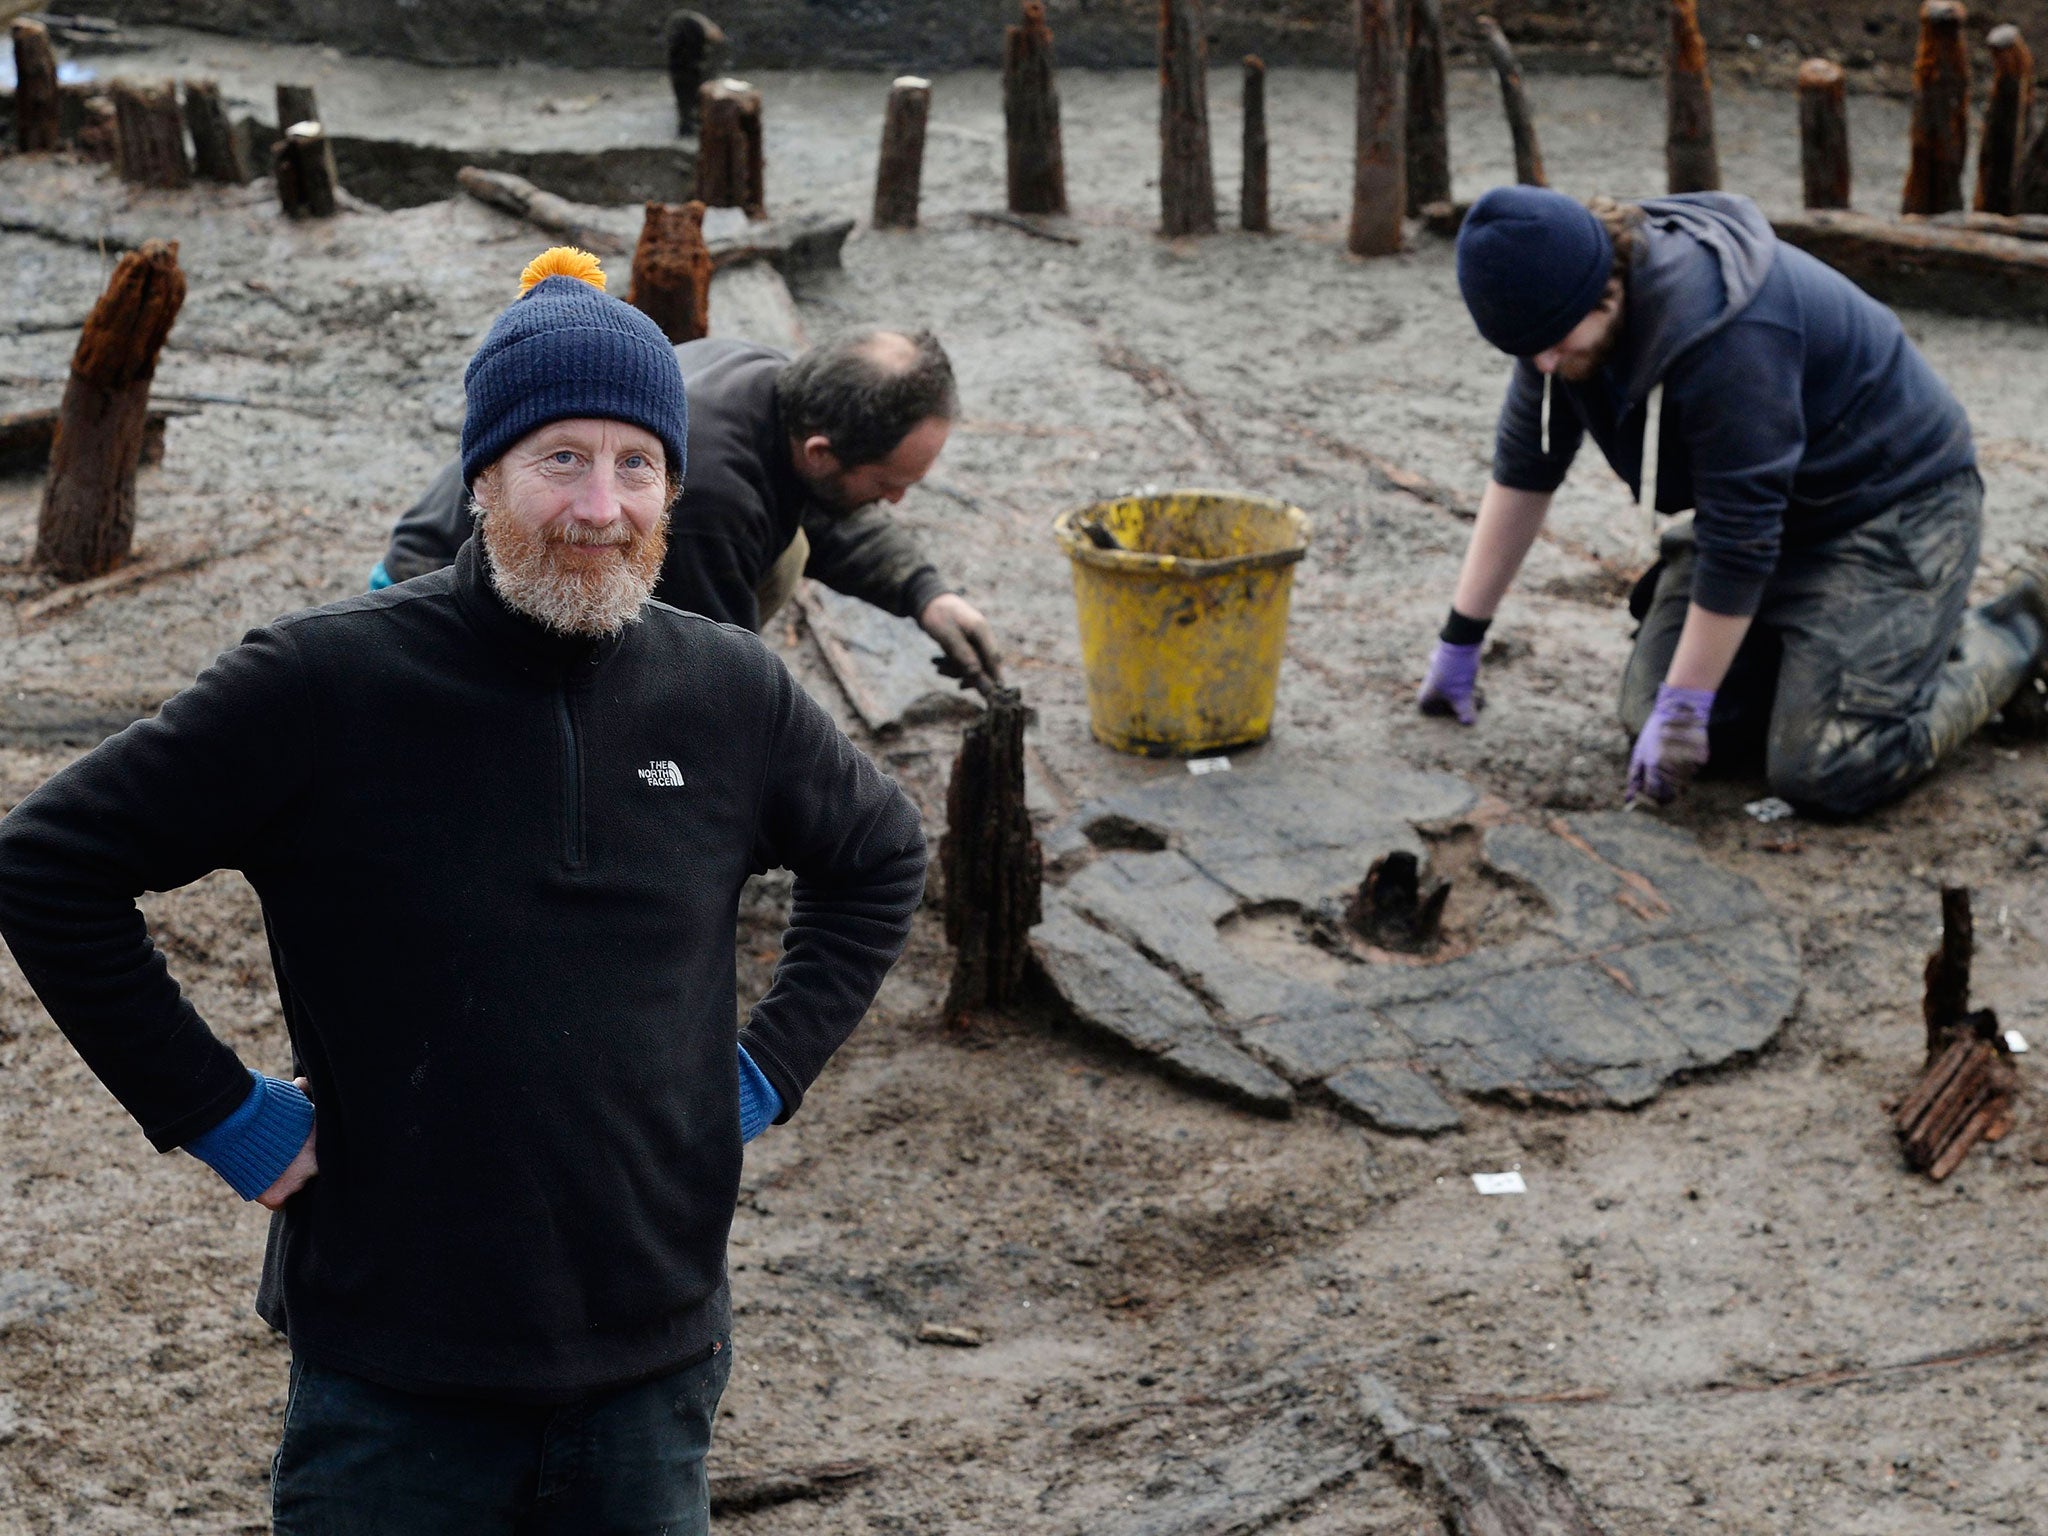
(1183, 622)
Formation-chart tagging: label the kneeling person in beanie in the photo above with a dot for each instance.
(498, 818)
(1813, 608)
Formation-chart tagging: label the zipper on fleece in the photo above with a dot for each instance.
(572, 782)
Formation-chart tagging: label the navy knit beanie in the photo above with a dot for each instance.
(1532, 263)
(564, 349)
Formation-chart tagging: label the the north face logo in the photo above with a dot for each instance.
(662, 774)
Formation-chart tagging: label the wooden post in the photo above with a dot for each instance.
(152, 134)
(295, 104)
(900, 172)
(99, 131)
(2006, 121)
(88, 514)
(991, 861)
(1037, 167)
(1528, 157)
(1429, 139)
(1253, 212)
(1690, 161)
(36, 100)
(1941, 111)
(694, 42)
(1823, 134)
(1379, 183)
(729, 163)
(1187, 184)
(303, 163)
(2032, 193)
(216, 150)
(672, 271)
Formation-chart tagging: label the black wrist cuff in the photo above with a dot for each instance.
(1459, 630)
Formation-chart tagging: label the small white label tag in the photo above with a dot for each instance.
(2015, 1042)
(1509, 1183)
(1201, 765)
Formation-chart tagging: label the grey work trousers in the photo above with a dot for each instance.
(1865, 666)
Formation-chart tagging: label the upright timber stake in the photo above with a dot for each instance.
(1690, 161)
(730, 169)
(1187, 183)
(1037, 165)
(992, 863)
(1941, 111)
(152, 135)
(216, 150)
(2006, 121)
(295, 104)
(1379, 183)
(303, 164)
(900, 172)
(1823, 134)
(88, 515)
(36, 101)
(693, 42)
(1528, 158)
(672, 271)
(1252, 210)
(1429, 139)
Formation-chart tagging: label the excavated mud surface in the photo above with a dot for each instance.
(1731, 1309)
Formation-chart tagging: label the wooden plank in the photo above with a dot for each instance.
(1924, 265)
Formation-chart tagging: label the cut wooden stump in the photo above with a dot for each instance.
(2006, 121)
(1253, 210)
(152, 134)
(1428, 132)
(899, 173)
(730, 169)
(296, 104)
(38, 106)
(1966, 1093)
(1823, 134)
(216, 147)
(1035, 163)
(695, 44)
(1379, 180)
(1941, 111)
(1187, 182)
(543, 210)
(672, 271)
(302, 162)
(1691, 163)
(88, 513)
(1920, 263)
(992, 864)
(1514, 101)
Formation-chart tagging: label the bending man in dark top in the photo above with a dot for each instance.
(789, 459)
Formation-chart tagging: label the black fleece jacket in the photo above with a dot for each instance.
(499, 871)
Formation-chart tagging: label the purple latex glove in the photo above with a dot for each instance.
(1673, 745)
(1448, 690)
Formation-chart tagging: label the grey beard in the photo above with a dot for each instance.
(592, 604)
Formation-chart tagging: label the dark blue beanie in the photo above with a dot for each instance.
(1532, 263)
(563, 349)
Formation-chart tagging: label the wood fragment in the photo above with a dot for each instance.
(152, 134)
(1967, 1089)
(543, 210)
(730, 168)
(1514, 101)
(1918, 263)
(1187, 182)
(899, 172)
(1428, 131)
(2018, 226)
(99, 130)
(302, 162)
(1035, 162)
(138, 573)
(1379, 196)
(2031, 194)
(672, 271)
(296, 104)
(37, 104)
(1691, 163)
(2007, 118)
(1393, 909)
(737, 1493)
(88, 514)
(216, 147)
(1946, 1000)
(950, 1334)
(695, 43)
(1941, 111)
(1253, 211)
(1823, 134)
(1023, 224)
(992, 865)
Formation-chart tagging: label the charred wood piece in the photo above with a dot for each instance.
(216, 147)
(1187, 180)
(672, 271)
(303, 164)
(899, 174)
(37, 103)
(1514, 101)
(1035, 162)
(1823, 134)
(1428, 132)
(1253, 210)
(1966, 1093)
(730, 167)
(992, 864)
(152, 134)
(1379, 182)
(1393, 909)
(1691, 163)
(695, 44)
(1941, 111)
(2006, 120)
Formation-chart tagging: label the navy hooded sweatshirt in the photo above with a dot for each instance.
(1794, 406)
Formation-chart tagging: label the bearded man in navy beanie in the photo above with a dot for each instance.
(499, 818)
(1811, 611)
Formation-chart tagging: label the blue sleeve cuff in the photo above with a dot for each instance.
(379, 577)
(254, 1145)
(759, 1102)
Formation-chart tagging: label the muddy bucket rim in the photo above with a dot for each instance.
(1187, 568)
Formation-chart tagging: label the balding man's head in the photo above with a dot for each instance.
(864, 391)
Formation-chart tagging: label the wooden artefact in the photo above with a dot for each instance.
(1253, 210)
(992, 864)
(2007, 118)
(899, 174)
(1941, 111)
(1428, 130)
(88, 514)
(1823, 134)
(303, 164)
(1393, 909)
(730, 169)
(37, 104)
(1920, 263)
(1966, 1093)
(694, 42)
(1187, 183)
(672, 271)
(1691, 163)
(1379, 181)
(522, 199)
(1515, 101)
(1036, 164)
(216, 148)
(152, 143)
(296, 104)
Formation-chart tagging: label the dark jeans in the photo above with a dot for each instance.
(358, 1459)
(1865, 666)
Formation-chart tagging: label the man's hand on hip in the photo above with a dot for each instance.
(297, 1173)
(963, 634)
